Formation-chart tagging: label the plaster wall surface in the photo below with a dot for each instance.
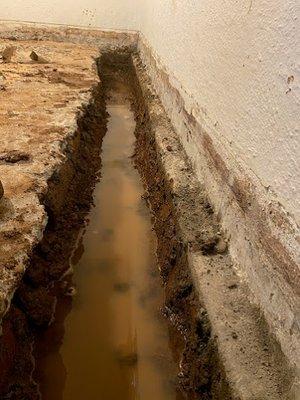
(106, 14)
(238, 65)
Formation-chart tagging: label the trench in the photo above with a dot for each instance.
(126, 322)
(109, 339)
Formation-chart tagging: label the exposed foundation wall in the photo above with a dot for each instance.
(227, 75)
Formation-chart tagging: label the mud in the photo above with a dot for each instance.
(113, 320)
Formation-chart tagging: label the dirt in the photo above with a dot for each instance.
(201, 374)
(67, 202)
(38, 124)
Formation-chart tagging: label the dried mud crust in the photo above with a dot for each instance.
(67, 202)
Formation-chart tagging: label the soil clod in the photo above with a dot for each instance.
(36, 58)
(14, 156)
(8, 53)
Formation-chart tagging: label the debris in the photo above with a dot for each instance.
(35, 57)
(7, 53)
(121, 286)
(221, 247)
(14, 156)
(2, 79)
(1, 190)
(71, 291)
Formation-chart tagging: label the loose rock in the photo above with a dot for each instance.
(1, 190)
(8, 53)
(35, 57)
(14, 156)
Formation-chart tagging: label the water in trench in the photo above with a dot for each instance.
(110, 342)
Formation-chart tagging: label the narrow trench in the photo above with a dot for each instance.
(109, 339)
(126, 323)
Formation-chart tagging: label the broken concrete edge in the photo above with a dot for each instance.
(110, 39)
(12, 277)
(252, 361)
(263, 236)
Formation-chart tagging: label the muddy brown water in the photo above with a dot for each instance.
(109, 341)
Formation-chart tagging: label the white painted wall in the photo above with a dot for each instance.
(108, 14)
(234, 60)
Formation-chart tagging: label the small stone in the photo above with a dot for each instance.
(71, 291)
(221, 247)
(35, 57)
(234, 335)
(7, 53)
